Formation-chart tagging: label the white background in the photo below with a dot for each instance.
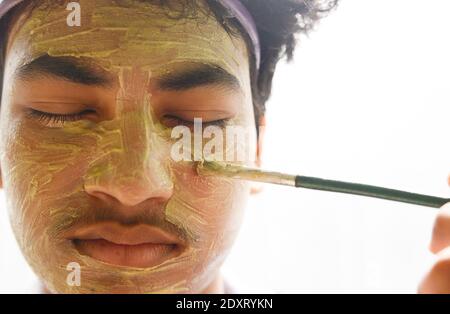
(367, 101)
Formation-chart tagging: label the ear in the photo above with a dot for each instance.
(257, 187)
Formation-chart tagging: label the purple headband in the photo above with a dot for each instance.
(245, 18)
(235, 7)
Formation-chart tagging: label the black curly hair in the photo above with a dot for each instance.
(278, 22)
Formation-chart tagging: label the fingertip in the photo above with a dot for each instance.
(437, 280)
(440, 238)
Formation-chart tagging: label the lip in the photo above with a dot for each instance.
(140, 246)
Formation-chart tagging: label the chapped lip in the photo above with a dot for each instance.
(139, 246)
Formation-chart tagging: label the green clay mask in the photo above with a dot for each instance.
(59, 176)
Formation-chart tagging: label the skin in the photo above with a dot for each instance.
(437, 279)
(113, 164)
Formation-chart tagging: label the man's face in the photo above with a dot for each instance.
(93, 182)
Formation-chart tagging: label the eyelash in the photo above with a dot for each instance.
(48, 118)
(220, 123)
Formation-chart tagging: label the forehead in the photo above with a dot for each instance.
(129, 33)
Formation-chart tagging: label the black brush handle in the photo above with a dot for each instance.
(369, 191)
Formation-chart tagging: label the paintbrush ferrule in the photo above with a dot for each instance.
(209, 168)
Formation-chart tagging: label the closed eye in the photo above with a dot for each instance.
(53, 119)
(174, 121)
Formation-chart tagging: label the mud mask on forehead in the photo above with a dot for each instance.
(235, 8)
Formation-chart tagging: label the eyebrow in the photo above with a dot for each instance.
(82, 72)
(66, 68)
(202, 74)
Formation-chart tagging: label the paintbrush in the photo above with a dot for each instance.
(212, 168)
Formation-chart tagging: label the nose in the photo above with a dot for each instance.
(133, 189)
(132, 165)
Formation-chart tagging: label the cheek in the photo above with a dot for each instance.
(42, 170)
(209, 209)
